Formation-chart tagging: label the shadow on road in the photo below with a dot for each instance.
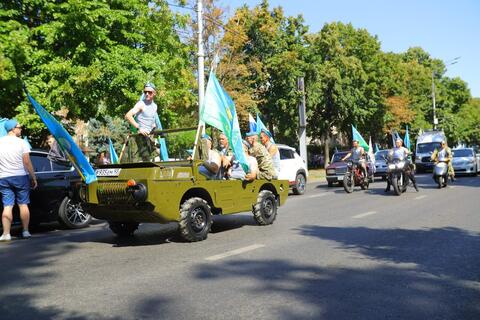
(438, 283)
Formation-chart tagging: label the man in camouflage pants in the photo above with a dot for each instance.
(264, 159)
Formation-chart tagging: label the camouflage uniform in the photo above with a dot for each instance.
(265, 162)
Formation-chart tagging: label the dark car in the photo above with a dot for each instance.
(381, 164)
(337, 168)
(56, 197)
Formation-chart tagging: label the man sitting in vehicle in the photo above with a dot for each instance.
(265, 138)
(210, 168)
(264, 159)
(444, 155)
(357, 155)
(225, 151)
(236, 171)
(400, 152)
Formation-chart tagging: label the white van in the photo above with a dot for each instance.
(427, 142)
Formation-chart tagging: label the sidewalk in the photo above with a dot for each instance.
(316, 175)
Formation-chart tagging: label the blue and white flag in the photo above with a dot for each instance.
(218, 110)
(406, 140)
(113, 153)
(66, 142)
(252, 124)
(357, 136)
(261, 127)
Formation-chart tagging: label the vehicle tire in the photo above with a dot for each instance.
(195, 219)
(300, 182)
(330, 183)
(71, 214)
(440, 182)
(396, 188)
(348, 183)
(123, 229)
(265, 210)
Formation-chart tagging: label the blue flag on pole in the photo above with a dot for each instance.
(357, 136)
(406, 140)
(66, 142)
(218, 110)
(252, 124)
(3, 132)
(113, 153)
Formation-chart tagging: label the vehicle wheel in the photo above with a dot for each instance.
(265, 210)
(300, 182)
(72, 215)
(123, 229)
(330, 183)
(445, 181)
(348, 183)
(195, 219)
(396, 188)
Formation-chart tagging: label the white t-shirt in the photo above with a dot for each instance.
(12, 150)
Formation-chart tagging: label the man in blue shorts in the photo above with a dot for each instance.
(15, 168)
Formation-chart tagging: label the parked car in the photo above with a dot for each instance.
(292, 168)
(381, 164)
(56, 197)
(465, 161)
(337, 168)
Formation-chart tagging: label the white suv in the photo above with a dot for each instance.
(292, 168)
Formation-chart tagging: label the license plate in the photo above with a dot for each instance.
(340, 178)
(108, 172)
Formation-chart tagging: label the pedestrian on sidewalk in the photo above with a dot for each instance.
(15, 168)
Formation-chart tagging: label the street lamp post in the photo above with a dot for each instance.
(435, 120)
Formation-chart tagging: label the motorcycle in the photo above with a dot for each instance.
(354, 177)
(440, 174)
(397, 175)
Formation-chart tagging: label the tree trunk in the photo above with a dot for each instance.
(326, 151)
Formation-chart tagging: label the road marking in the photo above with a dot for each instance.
(235, 252)
(366, 214)
(317, 195)
(420, 197)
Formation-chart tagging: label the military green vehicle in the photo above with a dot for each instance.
(155, 191)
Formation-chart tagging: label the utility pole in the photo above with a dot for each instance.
(201, 56)
(435, 120)
(302, 132)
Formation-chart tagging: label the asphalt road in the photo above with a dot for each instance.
(329, 255)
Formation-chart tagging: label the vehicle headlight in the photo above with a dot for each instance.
(391, 167)
(331, 171)
(400, 165)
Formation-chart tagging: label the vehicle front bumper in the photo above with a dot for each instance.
(467, 168)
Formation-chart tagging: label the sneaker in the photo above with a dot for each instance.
(6, 237)
(26, 234)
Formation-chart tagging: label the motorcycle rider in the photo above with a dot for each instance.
(399, 152)
(444, 155)
(357, 154)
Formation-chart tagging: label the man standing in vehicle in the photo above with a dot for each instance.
(400, 152)
(445, 155)
(15, 166)
(357, 155)
(142, 118)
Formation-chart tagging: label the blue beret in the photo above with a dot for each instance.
(267, 132)
(250, 134)
(10, 124)
(150, 85)
(206, 136)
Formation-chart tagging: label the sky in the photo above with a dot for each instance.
(445, 29)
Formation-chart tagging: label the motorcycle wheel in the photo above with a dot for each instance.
(440, 182)
(348, 183)
(396, 187)
(404, 183)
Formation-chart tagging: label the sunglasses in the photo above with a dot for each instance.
(18, 127)
(148, 92)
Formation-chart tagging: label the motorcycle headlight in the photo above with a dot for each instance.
(400, 165)
(391, 167)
